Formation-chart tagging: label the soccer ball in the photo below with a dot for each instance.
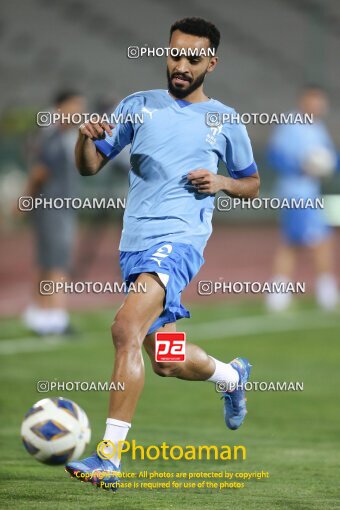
(55, 431)
(320, 162)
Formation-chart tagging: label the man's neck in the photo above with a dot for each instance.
(197, 96)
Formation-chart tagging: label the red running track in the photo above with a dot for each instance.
(242, 253)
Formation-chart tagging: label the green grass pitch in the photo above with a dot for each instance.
(292, 435)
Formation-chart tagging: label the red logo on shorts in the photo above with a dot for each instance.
(170, 347)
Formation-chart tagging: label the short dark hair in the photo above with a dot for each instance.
(199, 27)
(312, 86)
(65, 95)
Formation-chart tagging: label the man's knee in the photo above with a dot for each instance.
(160, 368)
(165, 369)
(126, 334)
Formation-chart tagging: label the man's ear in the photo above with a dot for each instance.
(212, 64)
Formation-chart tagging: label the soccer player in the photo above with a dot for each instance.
(167, 222)
(53, 175)
(290, 149)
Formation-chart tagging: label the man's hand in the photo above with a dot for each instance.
(88, 160)
(210, 183)
(96, 130)
(206, 181)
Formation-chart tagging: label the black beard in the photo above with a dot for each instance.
(182, 93)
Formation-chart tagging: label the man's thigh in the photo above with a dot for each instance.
(175, 264)
(141, 309)
(149, 341)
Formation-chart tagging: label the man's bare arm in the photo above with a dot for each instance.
(88, 159)
(246, 187)
(38, 175)
(210, 183)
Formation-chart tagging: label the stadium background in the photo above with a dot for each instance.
(268, 49)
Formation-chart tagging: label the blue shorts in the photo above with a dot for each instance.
(305, 227)
(175, 263)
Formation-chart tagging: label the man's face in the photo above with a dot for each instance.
(71, 106)
(314, 102)
(75, 104)
(186, 73)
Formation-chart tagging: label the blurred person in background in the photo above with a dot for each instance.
(53, 175)
(302, 154)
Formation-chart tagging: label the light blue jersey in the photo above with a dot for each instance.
(173, 140)
(289, 146)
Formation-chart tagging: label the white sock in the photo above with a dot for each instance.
(59, 320)
(47, 321)
(37, 320)
(326, 291)
(224, 372)
(29, 315)
(278, 301)
(116, 430)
